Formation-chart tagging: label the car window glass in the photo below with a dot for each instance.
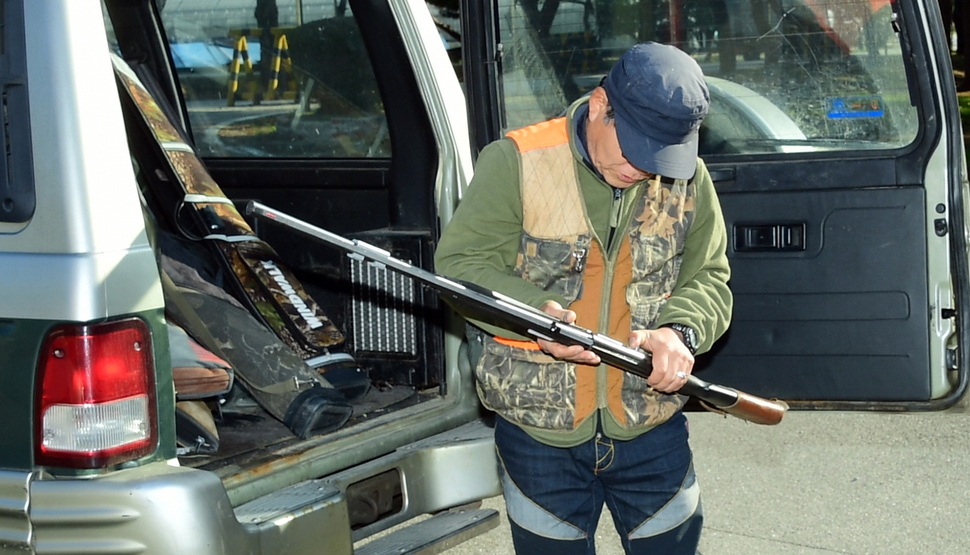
(446, 15)
(269, 79)
(17, 197)
(784, 75)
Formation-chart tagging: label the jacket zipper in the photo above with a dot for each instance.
(601, 400)
(614, 217)
(616, 210)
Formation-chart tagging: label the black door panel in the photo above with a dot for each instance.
(846, 318)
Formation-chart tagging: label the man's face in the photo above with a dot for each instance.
(604, 147)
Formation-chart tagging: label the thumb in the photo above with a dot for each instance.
(639, 339)
(554, 309)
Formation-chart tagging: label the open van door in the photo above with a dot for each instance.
(834, 142)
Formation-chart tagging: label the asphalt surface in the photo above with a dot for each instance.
(819, 483)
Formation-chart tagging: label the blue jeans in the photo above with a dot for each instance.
(554, 496)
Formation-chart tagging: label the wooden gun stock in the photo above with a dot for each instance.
(736, 403)
(757, 410)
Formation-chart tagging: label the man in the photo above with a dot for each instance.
(608, 212)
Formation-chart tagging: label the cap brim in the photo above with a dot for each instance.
(677, 161)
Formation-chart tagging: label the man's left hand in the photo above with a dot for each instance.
(572, 353)
(672, 361)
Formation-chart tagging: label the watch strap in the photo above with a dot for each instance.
(687, 333)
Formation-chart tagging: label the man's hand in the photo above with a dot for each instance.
(672, 361)
(571, 353)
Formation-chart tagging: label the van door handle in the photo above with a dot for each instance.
(769, 237)
(721, 174)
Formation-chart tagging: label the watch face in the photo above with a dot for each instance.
(689, 332)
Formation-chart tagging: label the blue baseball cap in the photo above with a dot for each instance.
(659, 98)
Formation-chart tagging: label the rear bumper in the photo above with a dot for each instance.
(157, 509)
(162, 509)
(152, 509)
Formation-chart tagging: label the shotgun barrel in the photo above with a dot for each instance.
(523, 319)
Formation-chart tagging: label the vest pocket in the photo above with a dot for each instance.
(644, 406)
(527, 387)
(645, 304)
(553, 265)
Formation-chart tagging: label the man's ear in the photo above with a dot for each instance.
(597, 104)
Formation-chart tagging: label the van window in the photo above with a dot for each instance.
(784, 75)
(17, 198)
(268, 79)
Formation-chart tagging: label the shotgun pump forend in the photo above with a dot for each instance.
(510, 314)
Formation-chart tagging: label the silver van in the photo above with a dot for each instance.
(177, 378)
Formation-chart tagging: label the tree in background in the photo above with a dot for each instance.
(267, 16)
(956, 16)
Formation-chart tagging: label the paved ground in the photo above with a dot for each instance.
(820, 483)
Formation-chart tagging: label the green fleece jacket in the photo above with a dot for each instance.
(481, 243)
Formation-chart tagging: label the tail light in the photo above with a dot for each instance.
(96, 395)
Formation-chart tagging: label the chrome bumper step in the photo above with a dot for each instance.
(433, 535)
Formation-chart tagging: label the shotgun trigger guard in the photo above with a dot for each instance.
(711, 408)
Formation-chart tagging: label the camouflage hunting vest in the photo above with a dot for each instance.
(559, 253)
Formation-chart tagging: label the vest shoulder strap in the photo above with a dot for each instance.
(541, 135)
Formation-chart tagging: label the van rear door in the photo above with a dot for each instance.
(834, 142)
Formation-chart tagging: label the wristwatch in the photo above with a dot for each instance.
(690, 336)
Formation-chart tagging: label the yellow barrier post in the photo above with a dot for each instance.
(280, 59)
(240, 56)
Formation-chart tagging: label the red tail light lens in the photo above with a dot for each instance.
(96, 395)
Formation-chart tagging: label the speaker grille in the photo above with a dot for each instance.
(383, 309)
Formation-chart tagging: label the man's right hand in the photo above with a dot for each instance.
(572, 353)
